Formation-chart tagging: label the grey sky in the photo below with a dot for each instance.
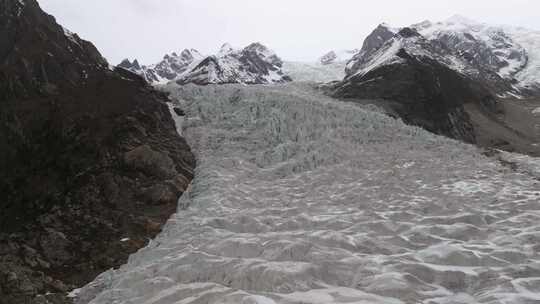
(295, 29)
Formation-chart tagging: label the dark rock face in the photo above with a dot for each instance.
(91, 165)
(128, 65)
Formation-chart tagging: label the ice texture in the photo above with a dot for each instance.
(315, 71)
(299, 198)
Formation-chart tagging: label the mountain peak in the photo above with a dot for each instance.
(225, 49)
(254, 64)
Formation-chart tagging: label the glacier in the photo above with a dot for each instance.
(314, 71)
(300, 198)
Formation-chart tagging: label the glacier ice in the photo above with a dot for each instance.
(298, 198)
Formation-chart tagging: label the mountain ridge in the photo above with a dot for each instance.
(253, 64)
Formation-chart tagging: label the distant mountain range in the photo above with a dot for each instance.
(444, 76)
(254, 64)
(504, 59)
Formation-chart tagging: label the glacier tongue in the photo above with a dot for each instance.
(298, 198)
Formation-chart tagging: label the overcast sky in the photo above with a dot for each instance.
(295, 29)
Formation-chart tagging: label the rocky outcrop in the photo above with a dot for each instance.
(91, 164)
(333, 57)
(372, 43)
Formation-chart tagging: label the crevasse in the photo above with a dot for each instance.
(299, 198)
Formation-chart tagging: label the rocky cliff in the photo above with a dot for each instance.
(91, 165)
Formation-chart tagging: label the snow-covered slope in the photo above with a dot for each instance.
(254, 64)
(298, 198)
(480, 45)
(166, 70)
(504, 59)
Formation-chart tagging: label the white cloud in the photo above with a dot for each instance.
(295, 29)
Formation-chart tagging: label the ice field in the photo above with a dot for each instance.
(299, 198)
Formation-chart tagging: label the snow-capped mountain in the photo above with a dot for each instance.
(166, 70)
(504, 59)
(254, 64)
(337, 56)
(450, 77)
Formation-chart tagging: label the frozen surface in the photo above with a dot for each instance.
(530, 40)
(315, 71)
(298, 198)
